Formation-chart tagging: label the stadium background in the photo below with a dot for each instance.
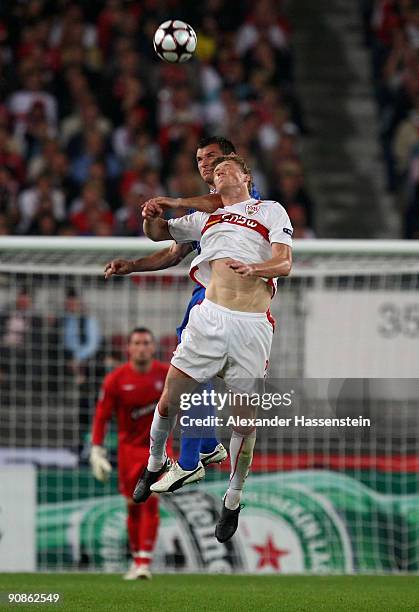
(323, 106)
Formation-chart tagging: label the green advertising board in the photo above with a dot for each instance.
(314, 521)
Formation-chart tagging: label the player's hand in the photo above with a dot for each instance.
(165, 202)
(241, 268)
(118, 267)
(151, 210)
(101, 467)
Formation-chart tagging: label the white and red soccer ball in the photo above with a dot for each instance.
(175, 41)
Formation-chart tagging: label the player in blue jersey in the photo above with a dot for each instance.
(196, 452)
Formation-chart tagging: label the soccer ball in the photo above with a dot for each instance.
(175, 41)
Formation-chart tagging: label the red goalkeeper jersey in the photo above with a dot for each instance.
(131, 396)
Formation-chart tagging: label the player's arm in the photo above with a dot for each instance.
(182, 229)
(279, 264)
(154, 226)
(161, 260)
(105, 406)
(205, 203)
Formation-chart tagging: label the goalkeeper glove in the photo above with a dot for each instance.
(101, 467)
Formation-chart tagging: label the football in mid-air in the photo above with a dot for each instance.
(175, 41)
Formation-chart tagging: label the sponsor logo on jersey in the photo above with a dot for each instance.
(137, 413)
(288, 231)
(235, 219)
(128, 387)
(252, 209)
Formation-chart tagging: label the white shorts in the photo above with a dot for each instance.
(218, 341)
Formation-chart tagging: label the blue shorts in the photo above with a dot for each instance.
(198, 296)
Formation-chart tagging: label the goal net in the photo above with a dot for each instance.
(325, 496)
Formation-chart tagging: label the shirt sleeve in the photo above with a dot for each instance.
(280, 229)
(105, 406)
(187, 228)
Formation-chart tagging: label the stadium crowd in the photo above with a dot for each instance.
(392, 32)
(92, 123)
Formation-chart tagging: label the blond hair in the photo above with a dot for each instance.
(240, 162)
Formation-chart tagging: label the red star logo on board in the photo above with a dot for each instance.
(269, 554)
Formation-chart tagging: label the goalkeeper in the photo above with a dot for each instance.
(195, 452)
(130, 392)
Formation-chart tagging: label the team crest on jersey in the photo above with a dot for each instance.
(252, 209)
(128, 387)
(158, 385)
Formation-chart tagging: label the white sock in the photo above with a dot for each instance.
(232, 498)
(241, 455)
(161, 429)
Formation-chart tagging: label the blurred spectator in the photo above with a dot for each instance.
(8, 192)
(82, 335)
(42, 158)
(263, 22)
(90, 210)
(84, 361)
(183, 179)
(270, 131)
(21, 337)
(87, 117)
(392, 32)
(37, 128)
(127, 218)
(289, 178)
(44, 224)
(298, 218)
(10, 157)
(5, 224)
(93, 148)
(22, 102)
(125, 136)
(32, 200)
(134, 173)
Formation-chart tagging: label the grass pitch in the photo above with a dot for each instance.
(203, 593)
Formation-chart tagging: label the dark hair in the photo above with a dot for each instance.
(71, 293)
(140, 330)
(240, 162)
(226, 146)
(23, 289)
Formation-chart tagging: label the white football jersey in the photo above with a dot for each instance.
(242, 231)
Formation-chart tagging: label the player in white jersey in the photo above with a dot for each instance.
(245, 246)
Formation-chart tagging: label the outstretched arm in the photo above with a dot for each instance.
(278, 265)
(166, 258)
(204, 203)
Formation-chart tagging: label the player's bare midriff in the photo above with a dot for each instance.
(240, 293)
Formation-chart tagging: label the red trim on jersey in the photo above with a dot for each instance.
(270, 319)
(193, 277)
(271, 284)
(235, 219)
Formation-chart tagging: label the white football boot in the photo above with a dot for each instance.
(218, 455)
(176, 477)
(137, 572)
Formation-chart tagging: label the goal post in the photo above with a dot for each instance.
(330, 499)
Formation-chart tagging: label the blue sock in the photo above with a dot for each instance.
(209, 441)
(189, 453)
(192, 446)
(208, 445)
